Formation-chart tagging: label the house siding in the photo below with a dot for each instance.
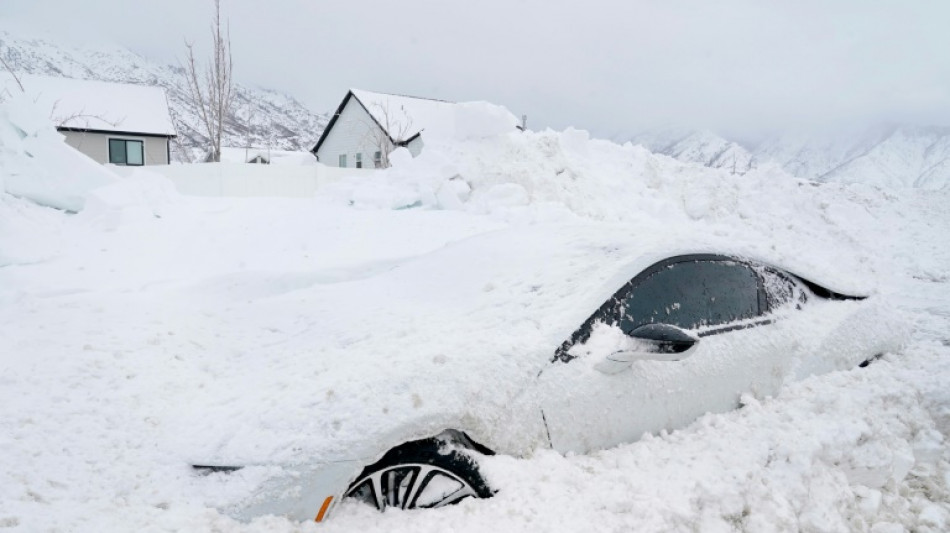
(354, 132)
(96, 145)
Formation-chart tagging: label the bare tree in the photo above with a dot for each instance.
(393, 130)
(212, 92)
(182, 152)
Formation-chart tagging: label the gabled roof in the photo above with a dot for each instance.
(403, 118)
(98, 106)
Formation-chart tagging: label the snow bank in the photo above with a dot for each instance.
(143, 195)
(528, 177)
(475, 120)
(36, 163)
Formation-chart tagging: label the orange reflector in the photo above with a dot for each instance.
(323, 509)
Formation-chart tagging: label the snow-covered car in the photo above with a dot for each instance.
(522, 340)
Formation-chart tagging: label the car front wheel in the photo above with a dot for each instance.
(422, 474)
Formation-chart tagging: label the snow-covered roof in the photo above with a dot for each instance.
(404, 117)
(98, 105)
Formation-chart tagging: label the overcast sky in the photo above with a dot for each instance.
(612, 67)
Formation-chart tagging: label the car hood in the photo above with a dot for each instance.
(453, 338)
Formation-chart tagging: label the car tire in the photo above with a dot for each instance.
(422, 474)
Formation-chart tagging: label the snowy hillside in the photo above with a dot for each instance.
(262, 118)
(702, 147)
(894, 156)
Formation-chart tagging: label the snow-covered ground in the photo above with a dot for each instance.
(147, 308)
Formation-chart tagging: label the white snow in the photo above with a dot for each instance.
(883, 155)
(36, 163)
(96, 105)
(234, 154)
(151, 326)
(406, 116)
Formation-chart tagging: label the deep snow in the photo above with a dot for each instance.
(147, 311)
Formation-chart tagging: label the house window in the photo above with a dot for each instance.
(342, 160)
(126, 152)
(359, 160)
(378, 159)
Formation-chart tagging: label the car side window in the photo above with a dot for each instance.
(693, 291)
(693, 294)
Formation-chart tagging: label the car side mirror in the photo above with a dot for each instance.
(652, 342)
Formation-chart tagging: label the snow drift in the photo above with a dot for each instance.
(37, 164)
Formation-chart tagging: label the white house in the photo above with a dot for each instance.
(116, 123)
(367, 126)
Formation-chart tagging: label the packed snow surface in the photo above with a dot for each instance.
(150, 328)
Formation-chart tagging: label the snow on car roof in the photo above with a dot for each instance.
(98, 105)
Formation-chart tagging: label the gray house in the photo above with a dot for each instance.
(116, 123)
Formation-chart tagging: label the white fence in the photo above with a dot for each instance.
(242, 179)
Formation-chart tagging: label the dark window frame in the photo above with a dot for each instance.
(359, 159)
(612, 307)
(124, 159)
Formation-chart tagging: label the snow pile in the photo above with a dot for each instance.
(36, 163)
(474, 120)
(528, 177)
(142, 195)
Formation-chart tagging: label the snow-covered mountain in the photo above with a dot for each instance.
(699, 146)
(261, 118)
(887, 155)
